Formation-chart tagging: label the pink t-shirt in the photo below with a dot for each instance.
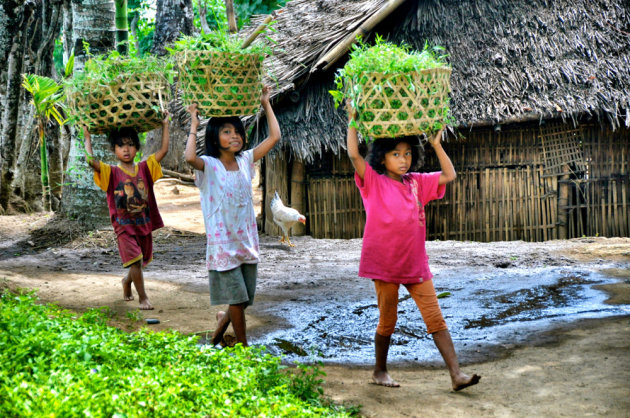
(395, 228)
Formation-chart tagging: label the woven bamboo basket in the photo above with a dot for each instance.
(136, 101)
(221, 83)
(396, 105)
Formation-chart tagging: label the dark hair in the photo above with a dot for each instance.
(116, 137)
(212, 133)
(382, 146)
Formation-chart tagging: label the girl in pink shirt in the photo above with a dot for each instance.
(393, 251)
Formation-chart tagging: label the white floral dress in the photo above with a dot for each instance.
(228, 212)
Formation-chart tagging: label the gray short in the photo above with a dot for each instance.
(233, 287)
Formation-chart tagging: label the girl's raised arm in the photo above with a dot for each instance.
(448, 171)
(272, 123)
(190, 154)
(161, 153)
(95, 164)
(358, 162)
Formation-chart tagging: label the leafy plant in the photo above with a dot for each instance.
(105, 70)
(399, 61)
(219, 40)
(47, 99)
(53, 363)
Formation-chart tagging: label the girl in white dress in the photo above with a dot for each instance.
(224, 177)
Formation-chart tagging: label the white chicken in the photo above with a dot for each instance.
(285, 218)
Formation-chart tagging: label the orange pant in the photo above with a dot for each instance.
(424, 296)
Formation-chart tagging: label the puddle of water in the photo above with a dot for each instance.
(485, 308)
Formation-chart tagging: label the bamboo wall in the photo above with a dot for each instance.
(334, 203)
(509, 186)
(600, 202)
(495, 204)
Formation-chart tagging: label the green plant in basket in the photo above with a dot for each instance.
(396, 91)
(219, 75)
(115, 91)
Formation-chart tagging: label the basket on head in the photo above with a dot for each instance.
(405, 104)
(136, 101)
(221, 83)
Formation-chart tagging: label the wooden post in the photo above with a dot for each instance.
(563, 202)
(229, 9)
(298, 189)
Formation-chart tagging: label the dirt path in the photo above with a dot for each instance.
(581, 370)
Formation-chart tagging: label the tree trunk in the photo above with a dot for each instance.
(134, 30)
(25, 154)
(10, 16)
(173, 19)
(231, 17)
(93, 22)
(11, 103)
(203, 16)
(67, 30)
(43, 158)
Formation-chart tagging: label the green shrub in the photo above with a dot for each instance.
(53, 363)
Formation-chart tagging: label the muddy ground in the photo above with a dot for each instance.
(579, 368)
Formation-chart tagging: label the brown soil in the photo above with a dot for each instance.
(581, 370)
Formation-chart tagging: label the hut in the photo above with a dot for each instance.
(540, 92)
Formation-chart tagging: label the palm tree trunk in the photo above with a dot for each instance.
(172, 19)
(55, 146)
(43, 158)
(92, 22)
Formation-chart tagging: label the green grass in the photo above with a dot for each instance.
(54, 362)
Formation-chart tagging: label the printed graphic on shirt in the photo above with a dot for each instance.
(132, 206)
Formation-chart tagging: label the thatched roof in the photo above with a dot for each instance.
(513, 60)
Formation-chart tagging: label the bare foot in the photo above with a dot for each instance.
(383, 379)
(126, 284)
(145, 305)
(463, 381)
